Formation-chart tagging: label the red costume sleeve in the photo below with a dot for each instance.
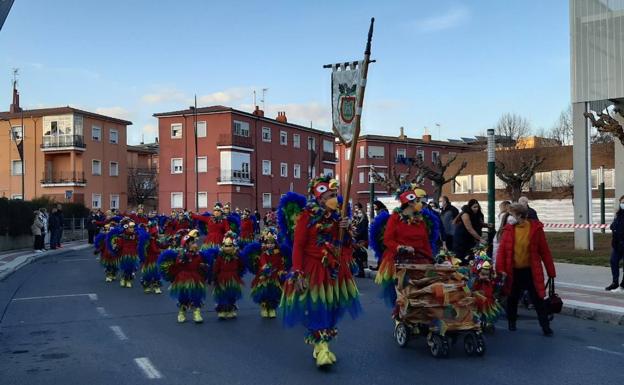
(502, 258)
(544, 252)
(301, 238)
(200, 218)
(389, 235)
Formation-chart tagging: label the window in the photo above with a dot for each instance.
(202, 164)
(113, 169)
(283, 138)
(96, 133)
(563, 178)
(420, 154)
(296, 141)
(16, 167)
(347, 154)
(235, 167)
(241, 128)
(266, 167)
(311, 143)
(362, 156)
(202, 199)
(311, 172)
(296, 171)
(381, 175)
(328, 172)
(201, 129)
(401, 153)
(18, 132)
(542, 181)
(328, 146)
(113, 135)
(96, 167)
(499, 184)
(266, 201)
(361, 179)
(284, 170)
(96, 201)
(16, 196)
(266, 134)
(608, 179)
(114, 201)
(177, 167)
(462, 184)
(176, 131)
(435, 155)
(375, 152)
(177, 200)
(479, 183)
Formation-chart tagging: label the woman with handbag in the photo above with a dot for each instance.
(617, 244)
(522, 256)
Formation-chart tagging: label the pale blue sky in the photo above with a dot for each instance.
(458, 63)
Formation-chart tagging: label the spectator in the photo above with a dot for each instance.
(59, 209)
(379, 207)
(448, 213)
(55, 228)
(43, 214)
(503, 215)
(92, 227)
(617, 244)
(359, 232)
(469, 226)
(257, 215)
(532, 214)
(37, 230)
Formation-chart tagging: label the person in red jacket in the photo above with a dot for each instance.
(217, 225)
(227, 271)
(522, 255)
(171, 224)
(247, 228)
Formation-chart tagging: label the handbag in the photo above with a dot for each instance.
(554, 304)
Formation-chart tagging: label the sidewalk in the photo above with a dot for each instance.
(11, 261)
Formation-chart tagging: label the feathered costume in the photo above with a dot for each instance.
(393, 235)
(150, 248)
(187, 269)
(485, 286)
(247, 229)
(320, 287)
(123, 242)
(227, 270)
(268, 264)
(213, 226)
(108, 259)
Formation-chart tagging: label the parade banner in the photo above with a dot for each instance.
(346, 80)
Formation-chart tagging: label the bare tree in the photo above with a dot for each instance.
(511, 127)
(436, 173)
(562, 130)
(142, 185)
(607, 127)
(516, 171)
(564, 180)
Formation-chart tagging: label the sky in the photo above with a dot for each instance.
(459, 64)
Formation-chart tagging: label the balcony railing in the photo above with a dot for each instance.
(58, 141)
(234, 140)
(64, 178)
(235, 178)
(328, 157)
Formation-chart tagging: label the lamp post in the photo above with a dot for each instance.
(601, 186)
(371, 182)
(491, 151)
(194, 109)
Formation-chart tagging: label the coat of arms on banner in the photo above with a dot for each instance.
(347, 102)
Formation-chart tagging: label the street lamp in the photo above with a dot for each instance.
(194, 109)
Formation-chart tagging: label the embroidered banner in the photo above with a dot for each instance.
(346, 80)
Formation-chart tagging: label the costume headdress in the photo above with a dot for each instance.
(318, 186)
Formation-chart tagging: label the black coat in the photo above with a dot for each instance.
(617, 229)
(55, 222)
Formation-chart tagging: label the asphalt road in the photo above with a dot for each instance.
(61, 323)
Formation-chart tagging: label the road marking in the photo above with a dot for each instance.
(77, 259)
(148, 369)
(596, 348)
(578, 286)
(92, 296)
(119, 333)
(595, 306)
(102, 311)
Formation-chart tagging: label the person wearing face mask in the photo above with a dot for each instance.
(522, 256)
(320, 287)
(503, 219)
(469, 226)
(359, 232)
(617, 244)
(448, 214)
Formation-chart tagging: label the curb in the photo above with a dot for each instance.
(21, 261)
(578, 311)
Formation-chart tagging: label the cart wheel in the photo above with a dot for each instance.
(480, 350)
(401, 334)
(439, 346)
(470, 344)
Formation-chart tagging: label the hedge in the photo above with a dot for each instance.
(16, 216)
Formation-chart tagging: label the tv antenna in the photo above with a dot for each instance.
(264, 91)
(15, 75)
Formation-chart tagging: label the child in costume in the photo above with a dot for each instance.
(214, 226)
(187, 269)
(269, 265)
(124, 244)
(149, 251)
(107, 259)
(320, 287)
(485, 287)
(227, 271)
(247, 228)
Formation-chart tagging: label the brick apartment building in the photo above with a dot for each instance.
(142, 161)
(69, 155)
(390, 155)
(553, 180)
(243, 158)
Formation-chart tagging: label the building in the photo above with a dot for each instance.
(389, 155)
(243, 158)
(142, 161)
(69, 155)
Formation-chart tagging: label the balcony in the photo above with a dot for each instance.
(227, 140)
(328, 157)
(63, 179)
(63, 143)
(237, 178)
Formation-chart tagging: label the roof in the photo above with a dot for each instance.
(61, 111)
(421, 142)
(223, 109)
(151, 148)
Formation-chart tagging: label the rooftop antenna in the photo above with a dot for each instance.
(264, 90)
(15, 74)
(438, 125)
(254, 93)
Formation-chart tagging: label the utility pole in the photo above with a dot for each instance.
(371, 183)
(601, 186)
(491, 152)
(194, 108)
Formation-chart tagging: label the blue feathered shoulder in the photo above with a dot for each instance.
(289, 208)
(111, 237)
(434, 224)
(144, 239)
(235, 222)
(250, 255)
(166, 260)
(99, 241)
(376, 233)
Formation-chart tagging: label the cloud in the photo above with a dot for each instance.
(227, 96)
(114, 112)
(451, 19)
(150, 129)
(164, 95)
(299, 113)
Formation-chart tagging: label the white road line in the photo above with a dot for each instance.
(119, 333)
(77, 259)
(595, 306)
(91, 296)
(148, 369)
(579, 286)
(596, 348)
(102, 311)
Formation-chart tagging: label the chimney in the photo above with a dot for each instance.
(258, 112)
(426, 138)
(281, 117)
(15, 107)
(402, 134)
